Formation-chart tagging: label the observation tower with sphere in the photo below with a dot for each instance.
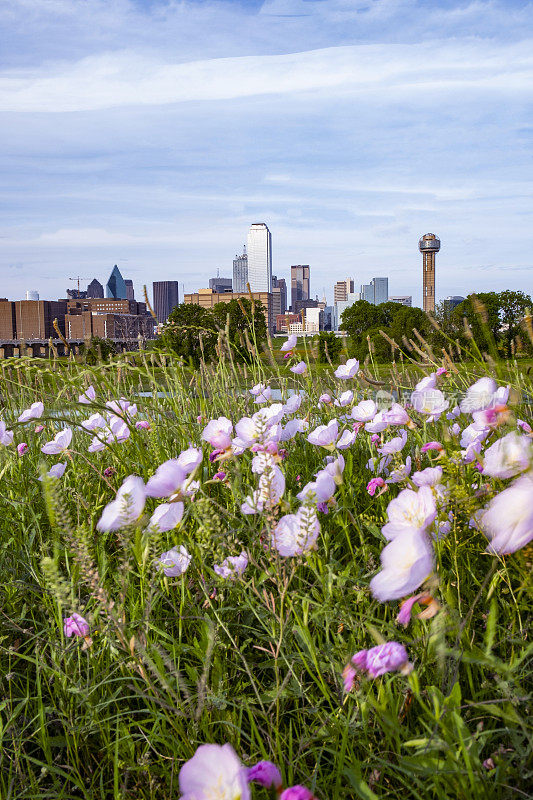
(428, 245)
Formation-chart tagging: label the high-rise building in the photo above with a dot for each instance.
(279, 295)
(342, 289)
(381, 290)
(259, 248)
(221, 285)
(31, 294)
(207, 298)
(314, 319)
(299, 283)
(240, 272)
(452, 301)
(367, 292)
(74, 294)
(166, 297)
(116, 287)
(35, 318)
(403, 299)
(95, 289)
(428, 245)
(130, 291)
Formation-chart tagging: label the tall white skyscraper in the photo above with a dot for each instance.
(259, 251)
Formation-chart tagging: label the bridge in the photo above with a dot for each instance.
(54, 348)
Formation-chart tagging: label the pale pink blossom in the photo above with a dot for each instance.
(142, 425)
(508, 519)
(394, 445)
(427, 477)
(59, 444)
(325, 435)
(127, 506)
(348, 370)
(325, 398)
(96, 445)
(429, 382)
(373, 485)
(396, 415)
(401, 472)
(335, 467)
(378, 424)
(508, 456)
(174, 562)
(214, 773)
(365, 411)
(344, 399)
(95, 422)
(232, 566)
(300, 368)
(347, 439)
(166, 517)
(89, 396)
(525, 426)
(21, 448)
(190, 459)
(431, 446)
(268, 494)
(56, 471)
(6, 437)
(290, 344)
(293, 427)
(410, 510)
(429, 401)
(39, 428)
(168, 479)
(293, 404)
(482, 394)
(218, 433)
(406, 563)
(320, 490)
(296, 533)
(76, 625)
(34, 412)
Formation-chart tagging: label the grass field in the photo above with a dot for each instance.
(169, 662)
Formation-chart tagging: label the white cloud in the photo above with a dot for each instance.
(423, 70)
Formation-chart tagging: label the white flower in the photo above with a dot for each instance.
(479, 396)
(261, 393)
(300, 368)
(410, 510)
(348, 370)
(59, 443)
(127, 506)
(508, 519)
(427, 477)
(344, 399)
(429, 401)
(406, 563)
(6, 437)
(347, 439)
(174, 562)
(95, 422)
(378, 424)
(508, 456)
(293, 404)
(87, 397)
(189, 459)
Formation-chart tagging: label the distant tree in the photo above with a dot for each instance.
(482, 312)
(329, 346)
(191, 332)
(358, 318)
(513, 308)
(98, 350)
(239, 316)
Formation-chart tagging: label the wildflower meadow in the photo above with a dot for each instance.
(277, 578)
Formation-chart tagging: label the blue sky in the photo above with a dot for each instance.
(151, 134)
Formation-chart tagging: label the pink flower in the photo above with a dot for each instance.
(21, 448)
(325, 435)
(39, 428)
(296, 533)
(526, 427)
(344, 399)
(388, 657)
(266, 774)
(108, 471)
(174, 562)
(406, 608)
(75, 625)
(219, 476)
(6, 437)
(346, 440)
(142, 425)
(214, 772)
(349, 674)
(127, 506)
(508, 519)
(373, 485)
(56, 471)
(348, 370)
(406, 563)
(394, 445)
(377, 424)
(396, 415)
(441, 371)
(293, 404)
(166, 517)
(299, 368)
(508, 456)
(168, 479)
(218, 433)
(87, 397)
(410, 510)
(261, 393)
(290, 344)
(94, 423)
(319, 491)
(297, 793)
(59, 443)
(325, 398)
(34, 412)
(431, 446)
(232, 566)
(365, 411)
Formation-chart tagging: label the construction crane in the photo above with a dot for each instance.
(78, 278)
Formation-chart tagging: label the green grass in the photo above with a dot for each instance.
(177, 662)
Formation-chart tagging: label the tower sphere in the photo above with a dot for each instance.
(429, 242)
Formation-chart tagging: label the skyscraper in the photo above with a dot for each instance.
(279, 295)
(259, 249)
(299, 283)
(428, 245)
(240, 272)
(116, 288)
(381, 290)
(166, 297)
(342, 289)
(221, 285)
(95, 289)
(130, 291)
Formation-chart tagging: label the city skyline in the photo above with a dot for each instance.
(387, 123)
